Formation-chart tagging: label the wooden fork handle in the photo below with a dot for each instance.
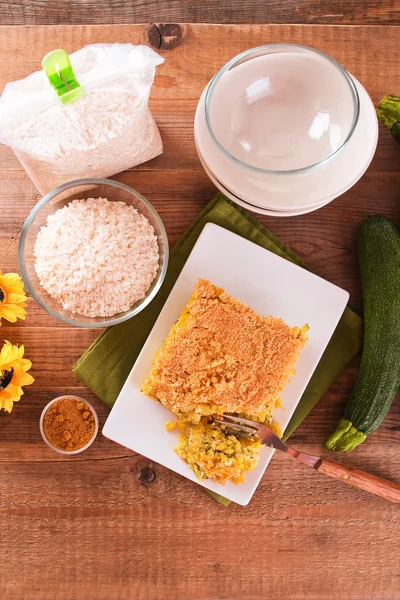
(360, 479)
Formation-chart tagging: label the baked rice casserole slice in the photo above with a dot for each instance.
(221, 357)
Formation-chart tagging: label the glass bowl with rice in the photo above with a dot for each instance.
(93, 252)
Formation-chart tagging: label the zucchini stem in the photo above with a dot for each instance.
(345, 438)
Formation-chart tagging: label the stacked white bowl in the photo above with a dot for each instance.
(284, 129)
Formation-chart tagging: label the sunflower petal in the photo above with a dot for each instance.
(12, 278)
(7, 313)
(24, 379)
(13, 389)
(14, 306)
(17, 395)
(20, 314)
(12, 311)
(4, 394)
(16, 298)
(5, 354)
(8, 404)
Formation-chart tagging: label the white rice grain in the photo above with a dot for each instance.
(96, 257)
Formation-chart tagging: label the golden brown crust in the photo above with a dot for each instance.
(222, 357)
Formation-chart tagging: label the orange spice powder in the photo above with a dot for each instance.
(69, 424)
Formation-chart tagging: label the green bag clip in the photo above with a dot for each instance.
(60, 74)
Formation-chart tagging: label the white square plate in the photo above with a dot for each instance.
(268, 284)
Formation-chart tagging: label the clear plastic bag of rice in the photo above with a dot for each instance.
(84, 115)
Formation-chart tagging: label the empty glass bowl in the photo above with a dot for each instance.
(281, 108)
(64, 194)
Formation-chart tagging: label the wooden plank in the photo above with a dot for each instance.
(189, 66)
(111, 525)
(52, 350)
(54, 12)
(139, 539)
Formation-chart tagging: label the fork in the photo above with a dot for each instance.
(240, 427)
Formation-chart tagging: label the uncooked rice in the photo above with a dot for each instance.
(116, 132)
(97, 257)
(109, 130)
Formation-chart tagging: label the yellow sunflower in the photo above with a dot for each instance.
(12, 297)
(13, 375)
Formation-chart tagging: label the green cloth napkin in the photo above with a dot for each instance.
(105, 366)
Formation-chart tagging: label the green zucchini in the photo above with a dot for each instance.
(388, 112)
(378, 381)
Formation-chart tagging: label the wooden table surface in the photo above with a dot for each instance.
(109, 524)
(55, 12)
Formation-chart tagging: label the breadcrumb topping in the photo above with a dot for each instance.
(221, 356)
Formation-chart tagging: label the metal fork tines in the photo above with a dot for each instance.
(232, 425)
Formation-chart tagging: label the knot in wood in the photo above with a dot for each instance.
(165, 36)
(146, 476)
